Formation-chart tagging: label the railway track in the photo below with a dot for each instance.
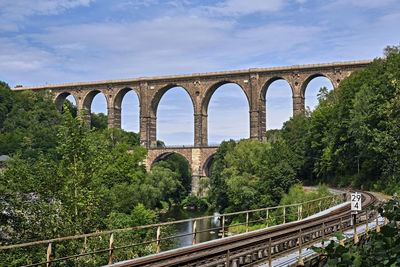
(260, 245)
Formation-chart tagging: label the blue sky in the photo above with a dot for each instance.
(50, 42)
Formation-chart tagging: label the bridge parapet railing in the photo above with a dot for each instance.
(121, 244)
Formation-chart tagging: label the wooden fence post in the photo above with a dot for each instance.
(284, 215)
(300, 262)
(158, 239)
(223, 226)
(378, 228)
(247, 222)
(323, 235)
(355, 228)
(111, 259)
(269, 253)
(48, 256)
(194, 233)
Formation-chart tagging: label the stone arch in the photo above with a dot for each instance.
(263, 103)
(119, 96)
(87, 104)
(215, 123)
(159, 94)
(315, 75)
(88, 99)
(60, 98)
(211, 90)
(156, 155)
(207, 165)
(115, 107)
(265, 87)
(312, 90)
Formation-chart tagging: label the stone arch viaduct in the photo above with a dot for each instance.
(200, 88)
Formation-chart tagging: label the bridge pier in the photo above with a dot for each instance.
(148, 135)
(114, 117)
(200, 130)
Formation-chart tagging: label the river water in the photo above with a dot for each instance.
(177, 213)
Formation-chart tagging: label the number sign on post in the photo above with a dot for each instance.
(355, 201)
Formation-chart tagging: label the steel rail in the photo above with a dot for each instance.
(245, 248)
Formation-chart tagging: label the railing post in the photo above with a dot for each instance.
(378, 228)
(355, 228)
(323, 234)
(223, 226)
(48, 255)
(300, 262)
(366, 224)
(269, 253)
(194, 233)
(158, 239)
(111, 259)
(284, 215)
(267, 219)
(341, 230)
(341, 224)
(308, 209)
(319, 204)
(247, 222)
(299, 212)
(227, 258)
(315, 206)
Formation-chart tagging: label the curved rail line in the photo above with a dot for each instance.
(259, 245)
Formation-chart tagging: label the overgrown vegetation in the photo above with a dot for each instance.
(194, 202)
(66, 179)
(352, 137)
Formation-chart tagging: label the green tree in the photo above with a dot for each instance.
(6, 102)
(217, 193)
(99, 121)
(31, 125)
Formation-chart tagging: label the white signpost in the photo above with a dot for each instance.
(355, 201)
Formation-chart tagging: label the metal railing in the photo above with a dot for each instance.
(258, 218)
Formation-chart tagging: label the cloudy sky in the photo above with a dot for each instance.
(60, 41)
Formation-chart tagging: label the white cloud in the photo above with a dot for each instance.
(345, 5)
(13, 12)
(134, 3)
(240, 7)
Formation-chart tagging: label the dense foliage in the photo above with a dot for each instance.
(352, 137)
(28, 122)
(67, 179)
(250, 174)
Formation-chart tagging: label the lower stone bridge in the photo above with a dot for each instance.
(200, 160)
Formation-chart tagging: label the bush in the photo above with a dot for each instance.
(193, 201)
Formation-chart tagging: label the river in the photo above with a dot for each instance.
(177, 213)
